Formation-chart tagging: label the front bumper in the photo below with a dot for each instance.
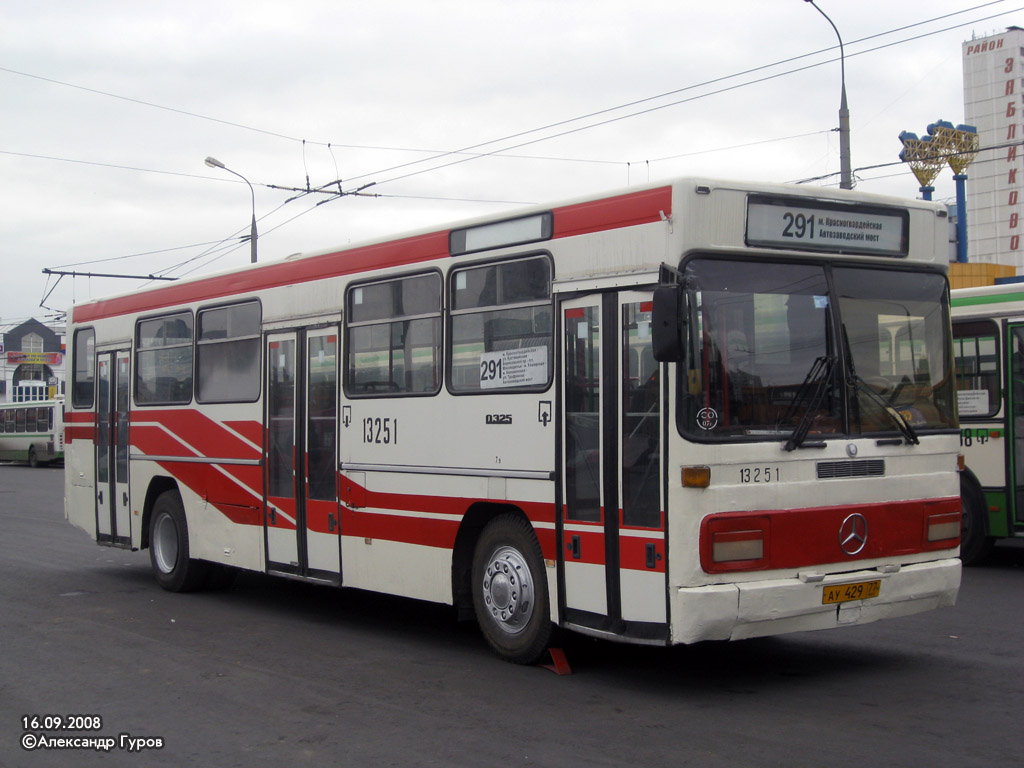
(778, 606)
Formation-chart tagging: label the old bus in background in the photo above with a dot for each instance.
(32, 431)
(674, 413)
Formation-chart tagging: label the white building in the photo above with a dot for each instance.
(993, 91)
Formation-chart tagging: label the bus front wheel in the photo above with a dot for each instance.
(168, 546)
(510, 590)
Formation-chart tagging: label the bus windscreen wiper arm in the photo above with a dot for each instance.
(901, 423)
(819, 376)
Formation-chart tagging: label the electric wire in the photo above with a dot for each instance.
(504, 150)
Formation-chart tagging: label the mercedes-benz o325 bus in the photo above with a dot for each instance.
(690, 411)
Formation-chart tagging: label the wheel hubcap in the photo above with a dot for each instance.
(165, 543)
(508, 590)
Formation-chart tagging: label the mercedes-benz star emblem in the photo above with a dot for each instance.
(853, 533)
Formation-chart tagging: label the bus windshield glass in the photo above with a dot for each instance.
(795, 351)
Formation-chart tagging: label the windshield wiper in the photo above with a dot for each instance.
(897, 418)
(817, 377)
(859, 385)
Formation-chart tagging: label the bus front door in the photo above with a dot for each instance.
(113, 516)
(301, 516)
(613, 528)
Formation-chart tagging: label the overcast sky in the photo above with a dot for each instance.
(110, 107)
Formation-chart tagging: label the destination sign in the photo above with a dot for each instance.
(814, 225)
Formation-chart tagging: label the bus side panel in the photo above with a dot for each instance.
(215, 537)
(79, 471)
(222, 499)
(399, 533)
(985, 448)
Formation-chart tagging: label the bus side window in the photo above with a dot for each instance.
(977, 367)
(501, 315)
(83, 376)
(394, 337)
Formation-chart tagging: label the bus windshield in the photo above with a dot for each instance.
(797, 351)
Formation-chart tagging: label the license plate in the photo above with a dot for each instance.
(844, 593)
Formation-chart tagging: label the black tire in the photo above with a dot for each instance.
(175, 571)
(510, 590)
(33, 459)
(975, 543)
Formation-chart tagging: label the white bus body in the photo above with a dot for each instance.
(475, 416)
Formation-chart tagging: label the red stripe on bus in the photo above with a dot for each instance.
(250, 430)
(231, 497)
(86, 433)
(408, 530)
(191, 426)
(628, 210)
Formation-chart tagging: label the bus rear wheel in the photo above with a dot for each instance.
(510, 590)
(168, 546)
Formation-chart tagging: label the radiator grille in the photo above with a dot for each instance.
(837, 470)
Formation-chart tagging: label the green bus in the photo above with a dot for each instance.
(988, 339)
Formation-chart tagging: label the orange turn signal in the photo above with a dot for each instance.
(696, 477)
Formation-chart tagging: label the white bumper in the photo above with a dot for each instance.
(773, 607)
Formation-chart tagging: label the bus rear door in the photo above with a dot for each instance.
(301, 517)
(113, 516)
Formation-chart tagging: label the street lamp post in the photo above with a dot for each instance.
(215, 163)
(846, 174)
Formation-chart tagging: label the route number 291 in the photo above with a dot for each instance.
(799, 226)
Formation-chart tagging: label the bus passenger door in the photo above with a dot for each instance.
(584, 550)
(613, 525)
(322, 516)
(1015, 421)
(113, 515)
(301, 509)
(642, 551)
(281, 449)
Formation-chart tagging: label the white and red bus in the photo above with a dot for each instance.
(677, 413)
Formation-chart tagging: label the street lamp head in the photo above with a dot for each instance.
(213, 162)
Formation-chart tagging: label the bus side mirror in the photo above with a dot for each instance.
(667, 316)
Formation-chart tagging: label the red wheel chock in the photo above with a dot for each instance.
(559, 665)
